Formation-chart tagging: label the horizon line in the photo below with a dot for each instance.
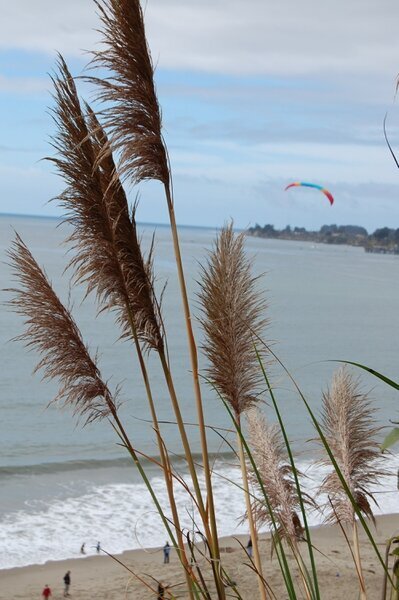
(153, 223)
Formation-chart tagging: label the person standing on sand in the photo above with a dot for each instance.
(46, 593)
(166, 552)
(98, 547)
(67, 582)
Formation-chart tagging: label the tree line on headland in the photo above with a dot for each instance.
(383, 240)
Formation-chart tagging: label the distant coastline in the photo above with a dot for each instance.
(381, 241)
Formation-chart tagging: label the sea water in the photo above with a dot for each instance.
(63, 484)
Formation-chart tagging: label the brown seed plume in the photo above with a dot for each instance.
(233, 313)
(348, 421)
(52, 332)
(132, 113)
(108, 256)
(270, 456)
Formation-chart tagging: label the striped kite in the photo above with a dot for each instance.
(313, 185)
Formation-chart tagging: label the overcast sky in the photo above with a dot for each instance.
(254, 95)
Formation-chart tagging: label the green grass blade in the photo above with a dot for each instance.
(383, 378)
(314, 585)
(391, 439)
(330, 454)
(393, 436)
(280, 553)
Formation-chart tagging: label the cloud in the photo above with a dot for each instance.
(27, 190)
(280, 131)
(48, 25)
(17, 149)
(254, 94)
(24, 85)
(228, 36)
(296, 161)
(266, 37)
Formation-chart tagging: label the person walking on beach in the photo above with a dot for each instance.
(166, 552)
(67, 582)
(98, 547)
(82, 548)
(46, 593)
(249, 548)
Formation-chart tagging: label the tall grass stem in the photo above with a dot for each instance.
(214, 542)
(251, 520)
(359, 568)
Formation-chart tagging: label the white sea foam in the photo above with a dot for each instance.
(122, 516)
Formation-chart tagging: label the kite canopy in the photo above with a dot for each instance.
(313, 185)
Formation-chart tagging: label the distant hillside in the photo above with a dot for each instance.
(384, 240)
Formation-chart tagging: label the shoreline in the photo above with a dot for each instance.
(103, 578)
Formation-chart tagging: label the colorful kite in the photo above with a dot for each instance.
(313, 185)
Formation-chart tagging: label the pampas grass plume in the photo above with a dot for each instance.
(233, 314)
(53, 333)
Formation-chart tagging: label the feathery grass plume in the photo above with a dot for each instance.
(268, 449)
(232, 314)
(133, 120)
(51, 331)
(348, 421)
(108, 255)
(276, 476)
(233, 311)
(132, 116)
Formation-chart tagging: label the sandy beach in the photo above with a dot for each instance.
(103, 578)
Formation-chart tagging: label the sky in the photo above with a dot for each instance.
(254, 95)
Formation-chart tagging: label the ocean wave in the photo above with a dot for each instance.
(121, 516)
(93, 464)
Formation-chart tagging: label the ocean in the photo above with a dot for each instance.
(63, 484)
